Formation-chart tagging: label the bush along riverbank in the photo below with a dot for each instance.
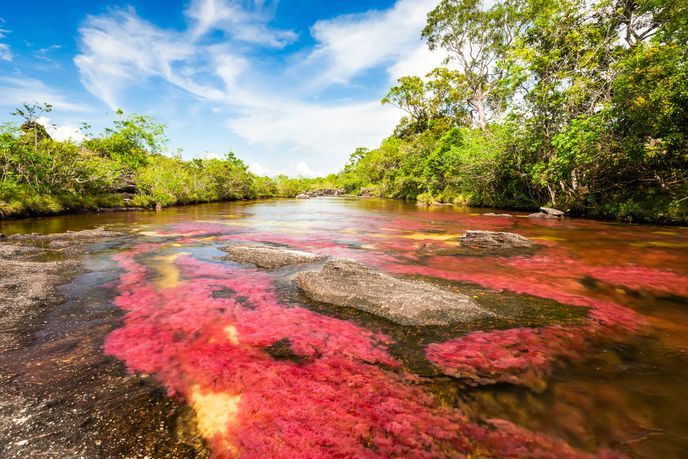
(574, 104)
(123, 167)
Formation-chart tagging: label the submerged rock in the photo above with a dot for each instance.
(547, 212)
(494, 240)
(89, 235)
(268, 256)
(344, 282)
(490, 214)
(302, 196)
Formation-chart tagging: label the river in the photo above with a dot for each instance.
(587, 353)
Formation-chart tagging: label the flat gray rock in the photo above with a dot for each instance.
(494, 240)
(344, 282)
(547, 212)
(552, 211)
(268, 256)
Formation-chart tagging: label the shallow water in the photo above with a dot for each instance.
(588, 354)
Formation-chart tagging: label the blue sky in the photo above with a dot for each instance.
(290, 86)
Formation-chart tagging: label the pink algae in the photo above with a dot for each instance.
(521, 356)
(208, 339)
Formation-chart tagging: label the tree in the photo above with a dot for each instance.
(477, 40)
(31, 113)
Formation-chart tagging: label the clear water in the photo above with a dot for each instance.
(588, 353)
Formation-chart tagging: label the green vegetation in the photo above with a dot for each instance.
(124, 166)
(575, 104)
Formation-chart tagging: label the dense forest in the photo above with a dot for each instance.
(121, 167)
(577, 104)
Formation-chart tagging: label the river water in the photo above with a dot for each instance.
(587, 353)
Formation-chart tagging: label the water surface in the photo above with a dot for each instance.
(587, 355)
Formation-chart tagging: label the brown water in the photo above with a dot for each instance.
(589, 349)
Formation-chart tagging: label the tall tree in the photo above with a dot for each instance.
(477, 39)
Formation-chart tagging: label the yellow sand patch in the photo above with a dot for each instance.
(215, 413)
(232, 334)
(167, 272)
(431, 236)
(662, 244)
(549, 238)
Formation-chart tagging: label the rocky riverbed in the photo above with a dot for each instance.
(275, 328)
(59, 395)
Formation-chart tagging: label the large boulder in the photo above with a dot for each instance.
(547, 212)
(303, 196)
(494, 240)
(344, 282)
(268, 256)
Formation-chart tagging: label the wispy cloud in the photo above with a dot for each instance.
(43, 54)
(272, 112)
(241, 21)
(349, 45)
(16, 91)
(5, 51)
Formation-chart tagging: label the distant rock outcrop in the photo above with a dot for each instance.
(302, 196)
(547, 212)
(494, 240)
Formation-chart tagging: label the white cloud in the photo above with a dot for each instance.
(332, 131)
(303, 170)
(121, 49)
(61, 133)
(258, 169)
(348, 45)
(5, 51)
(275, 112)
(418, 62)
(243, 23)
(44, 53)
(15, 91)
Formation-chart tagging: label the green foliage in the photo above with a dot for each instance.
(170, 180)
(39, 175)
(582, 105)
(130, 141)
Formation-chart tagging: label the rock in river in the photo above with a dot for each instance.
(302, 196)
(547, 212)
(268, 256)
(344, 282)
(494, 240)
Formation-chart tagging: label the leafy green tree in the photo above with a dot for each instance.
(130, 141)
(477, 39)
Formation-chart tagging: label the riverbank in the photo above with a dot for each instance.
(59, 395)
(315, 194)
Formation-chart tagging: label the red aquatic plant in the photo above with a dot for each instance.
(521, 356)
(269, 380)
